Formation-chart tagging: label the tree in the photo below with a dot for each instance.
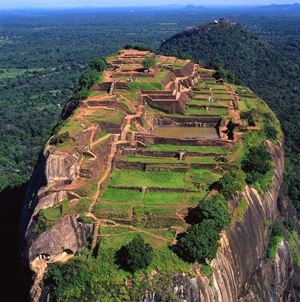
(215, 209)
(88, 78)
(98, 64)
(200, 242)
(231, 183)
(60, 138)
(138, 46)
(148, 63)
(270, 132)
(230, 130)
(256, 163)
(249, 116)
(135, 255)
(82, 94)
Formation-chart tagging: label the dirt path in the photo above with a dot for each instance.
(99, 140)
(136, 229)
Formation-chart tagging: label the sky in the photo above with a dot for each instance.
(114, 3)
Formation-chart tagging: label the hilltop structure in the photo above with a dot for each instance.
(143, 149)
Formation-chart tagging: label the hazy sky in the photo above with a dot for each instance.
(72, 3)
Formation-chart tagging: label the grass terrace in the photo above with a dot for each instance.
(207, 103)
(106, 116)
(191, 180)
(151, 197)
(129, 178)
(203, 111)
(170, 160)
(98, 93)
(200, 149)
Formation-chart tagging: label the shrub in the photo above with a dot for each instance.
(60, 138)
(98, 64)
(273, 245)
(88, 78)
(135, 255)
(82, 94)
(270, 132)
(215, 209)
(249, 116)
(231, 183)
(72, 282)
(200, 242)
(138, 46)
(206, 270)
(148, 63)
(290, 225)
(42, 224)
(256, 163)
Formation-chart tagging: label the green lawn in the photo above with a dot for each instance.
(169, 160)
(207, 103)
(129, 178)
(151, 197)
(105, 116)
(130, 107)
(200, 149)
(122, 195)
(200, 111)
(98, 93)
(172, 198)
(73, 127)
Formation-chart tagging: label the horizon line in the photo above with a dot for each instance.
(146, 6)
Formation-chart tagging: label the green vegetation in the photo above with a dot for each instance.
(189, 160)
(138, 46)
(47, 218)
(149, 63)
(151, 197)
(31, 102)
(275, 239)
(201, 240)
(135, 255)
(206, 270)
(133, 86)
(256, 163)
(202, 111)
(60, 138)
(200, 149)
(128, 178)
(231, 183)
(98, 64)
(240, 210)
(276, 81)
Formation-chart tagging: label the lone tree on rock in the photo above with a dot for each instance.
(135, 255)
(99, 64)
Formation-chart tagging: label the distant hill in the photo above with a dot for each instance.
(255, 63)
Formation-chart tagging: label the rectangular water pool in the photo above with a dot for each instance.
(186, 132)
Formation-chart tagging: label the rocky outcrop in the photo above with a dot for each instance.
(53, 168)
(241, 270)
(68, 234)
(64, 239)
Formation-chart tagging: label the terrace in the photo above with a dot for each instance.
(150, 145)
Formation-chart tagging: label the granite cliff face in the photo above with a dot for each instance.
(241, 270)
(64, 239)
(52, 169)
